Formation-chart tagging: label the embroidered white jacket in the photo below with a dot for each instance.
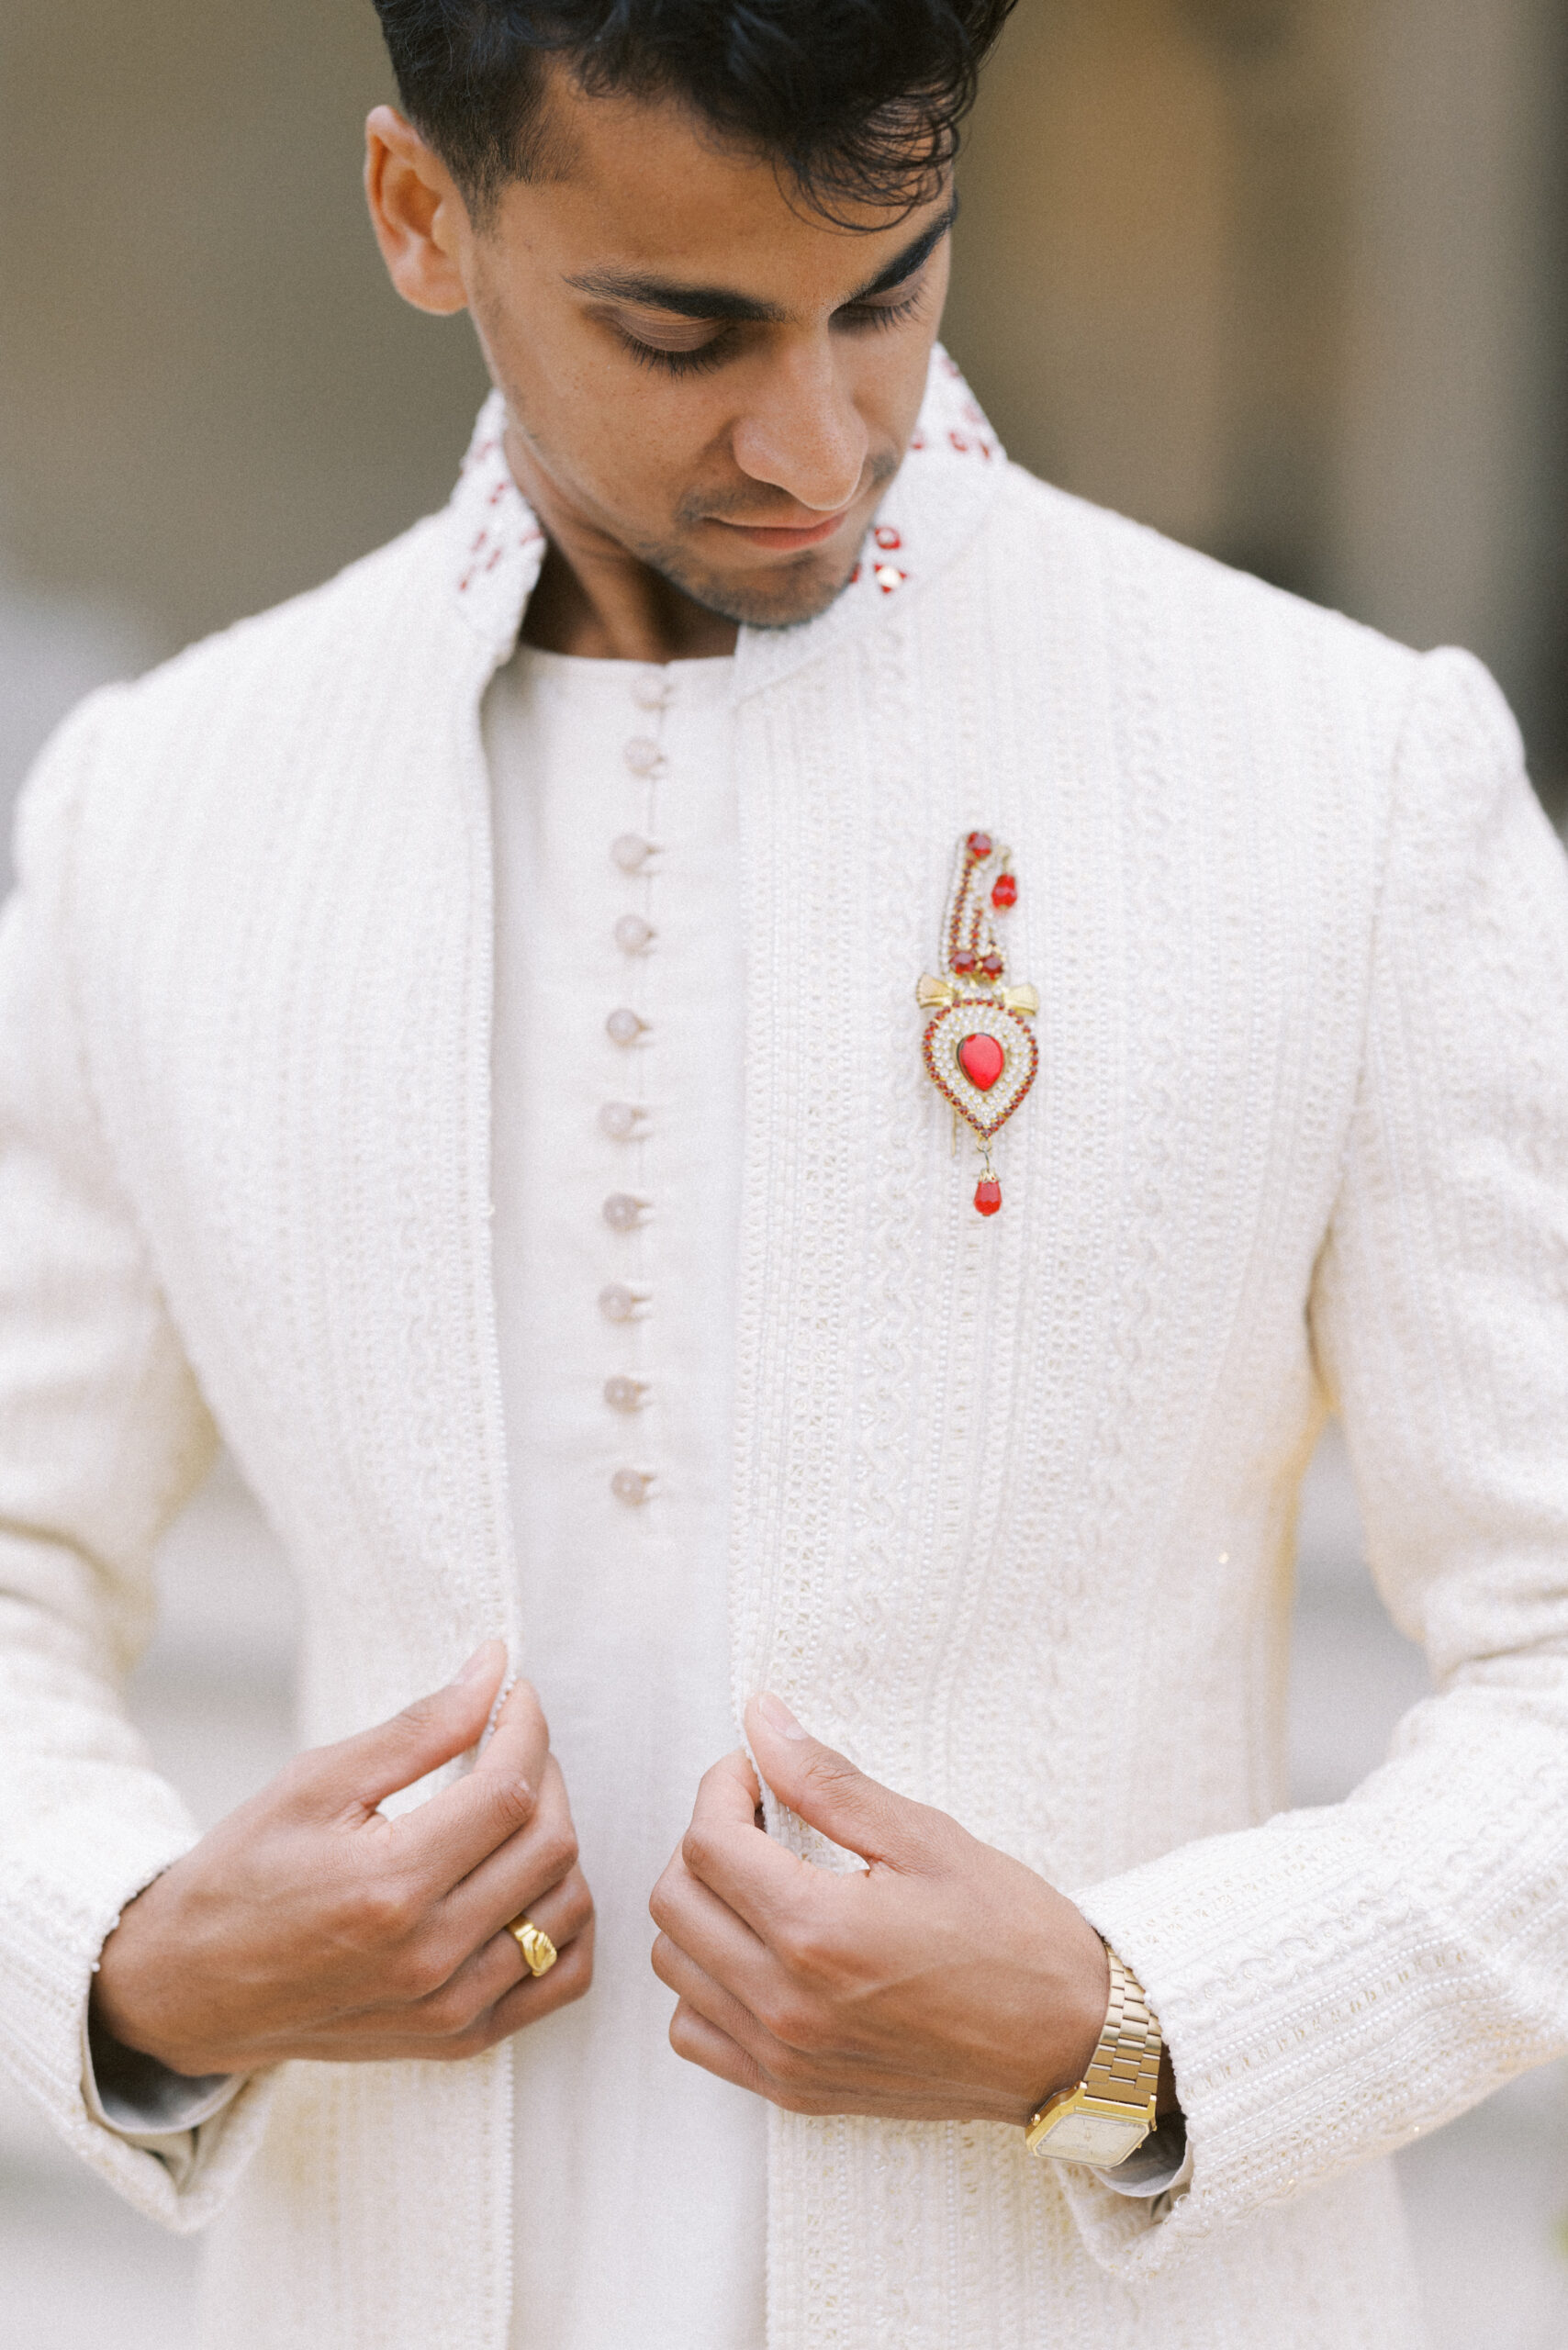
(1013, 1500)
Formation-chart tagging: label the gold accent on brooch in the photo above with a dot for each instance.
(977, 1053)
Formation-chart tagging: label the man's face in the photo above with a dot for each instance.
(699, 370)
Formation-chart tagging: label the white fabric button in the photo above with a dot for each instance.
(619, 1303)
(630, 852)
(622, 1212)
(624, 1394)
(630, 1486)
(633, 934)
(619, 1120)
(650, 690)
(624, 1025)
(642, 755)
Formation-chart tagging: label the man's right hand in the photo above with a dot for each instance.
(308, 1924)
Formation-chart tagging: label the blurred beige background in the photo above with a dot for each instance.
(1282, 277)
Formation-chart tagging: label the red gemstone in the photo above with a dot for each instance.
(988, 1195)
(992, 965)
(979, 843)
(1003, 892)
(964, 959)
(981, 1057)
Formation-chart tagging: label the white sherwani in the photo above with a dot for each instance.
(1013, 1501)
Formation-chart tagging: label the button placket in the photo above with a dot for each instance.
(634, 856)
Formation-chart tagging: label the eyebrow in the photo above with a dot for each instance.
(719, 302)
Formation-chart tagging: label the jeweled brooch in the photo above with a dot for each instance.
(980, 1055)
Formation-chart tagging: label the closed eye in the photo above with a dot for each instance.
(696, 347)
(858, 315)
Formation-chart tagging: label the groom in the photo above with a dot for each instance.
(515, 1043)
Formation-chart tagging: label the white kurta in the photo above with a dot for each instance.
(641, 2181)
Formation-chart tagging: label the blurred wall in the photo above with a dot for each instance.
(209, 396)
(1286, 277)
(1281, 276)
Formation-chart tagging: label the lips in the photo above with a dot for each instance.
(785, 539)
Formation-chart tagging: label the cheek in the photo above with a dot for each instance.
(888, 376)
(634, 437)
(610, 436)
(632, 448)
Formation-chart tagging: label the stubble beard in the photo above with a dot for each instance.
(796, 588)
(794, 592)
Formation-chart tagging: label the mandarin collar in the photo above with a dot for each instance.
(495, 544)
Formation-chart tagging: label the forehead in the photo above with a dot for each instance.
(645, 188)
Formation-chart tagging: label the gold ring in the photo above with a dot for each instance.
(538, 1952)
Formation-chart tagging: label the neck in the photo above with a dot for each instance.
(595, 599)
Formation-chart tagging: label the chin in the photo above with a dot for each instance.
(781, 596)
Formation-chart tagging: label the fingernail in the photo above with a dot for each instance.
(773, 1709)
(479, 1664)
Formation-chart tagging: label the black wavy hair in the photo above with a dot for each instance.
(858, 101)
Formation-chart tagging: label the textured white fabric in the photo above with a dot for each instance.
(1013, 1502)
(654, 2193)
(642, 2181)
(614, 803)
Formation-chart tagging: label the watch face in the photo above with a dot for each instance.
(1097, 2138)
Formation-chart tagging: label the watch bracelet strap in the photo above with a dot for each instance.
(1125, 2067)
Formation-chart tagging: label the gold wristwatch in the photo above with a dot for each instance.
(1110, 2112)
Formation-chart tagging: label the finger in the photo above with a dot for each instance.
(682, 1974)
(360, 1773)
(389, 2035)
(825, 1790)
(538, 1995)
(562, 1913)
(806, 2089)
(785, 2043)
(464, 1985)
(703, 2044)
(460, 1827)
(725, 1850)
(691, 1914)
(518, 1870)
(520, 1739)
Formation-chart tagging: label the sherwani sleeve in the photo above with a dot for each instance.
(103, 1436)
(1341, 1980)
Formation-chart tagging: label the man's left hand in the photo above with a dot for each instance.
(944, 1982)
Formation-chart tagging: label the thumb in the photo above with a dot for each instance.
(825, 1790)
(433, 1730)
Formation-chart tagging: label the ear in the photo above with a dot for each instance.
(418, 213)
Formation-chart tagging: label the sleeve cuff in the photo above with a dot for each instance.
(1161, 2166)
(146, 2104)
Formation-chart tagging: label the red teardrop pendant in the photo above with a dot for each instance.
(988, 1195)
(981, 1059)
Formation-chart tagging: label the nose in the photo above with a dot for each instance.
(801, 433)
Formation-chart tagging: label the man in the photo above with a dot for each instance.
(462, 1045)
